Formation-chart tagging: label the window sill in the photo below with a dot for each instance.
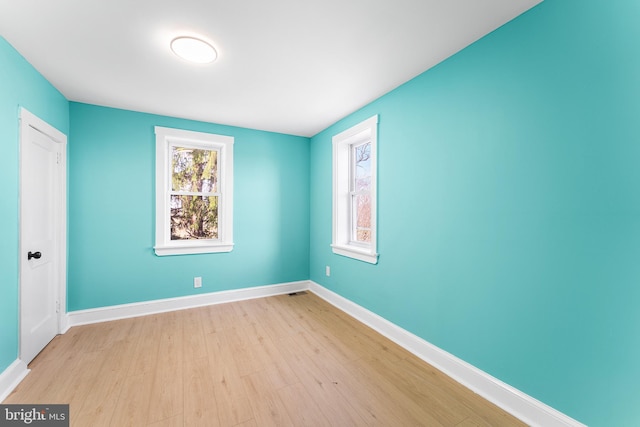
(355, 253)
(192, 249)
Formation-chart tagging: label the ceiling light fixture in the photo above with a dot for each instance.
(193, 50)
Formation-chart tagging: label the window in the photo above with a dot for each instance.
(194, 192)
(354, 191)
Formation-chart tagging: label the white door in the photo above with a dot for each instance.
(40, 234)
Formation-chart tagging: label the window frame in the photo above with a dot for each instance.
(343, 178)
(167, 138)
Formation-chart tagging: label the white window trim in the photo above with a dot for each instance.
(342, 143)
(164, 245)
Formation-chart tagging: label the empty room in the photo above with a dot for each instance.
(252, 213)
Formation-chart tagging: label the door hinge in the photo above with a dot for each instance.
(58, 158)
(57, 307)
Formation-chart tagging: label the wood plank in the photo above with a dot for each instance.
(268, 408)
(145, 356)
(220, 317)
(195, 345)
(319, 388)
(133, 404)
(248, 423)
(365, 401)
(200, 408)
(302, 409)
(230, 395)
(102, 398)
(176, 421)
(167, 393)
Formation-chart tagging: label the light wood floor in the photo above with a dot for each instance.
(281, 361)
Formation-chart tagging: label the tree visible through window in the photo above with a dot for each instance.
(194, 193)
(361, 193)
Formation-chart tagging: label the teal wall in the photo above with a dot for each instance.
(509, 208)
(112, 212)
(20, 85)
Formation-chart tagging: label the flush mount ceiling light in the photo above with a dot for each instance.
(193, 50)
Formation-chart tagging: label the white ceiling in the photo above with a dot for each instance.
(290, 66)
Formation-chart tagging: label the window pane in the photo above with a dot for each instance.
(194, 217)
(363, 236)
(194, 170)
(362, 166)
(361, 205)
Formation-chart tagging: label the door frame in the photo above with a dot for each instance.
(29, 120)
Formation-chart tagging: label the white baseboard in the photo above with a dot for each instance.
(115, 312)
(11, 377)
(517, 403)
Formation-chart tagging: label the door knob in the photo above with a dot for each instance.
(35, 255)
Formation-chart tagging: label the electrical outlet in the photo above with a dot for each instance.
(197, 282)
(327, 271)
